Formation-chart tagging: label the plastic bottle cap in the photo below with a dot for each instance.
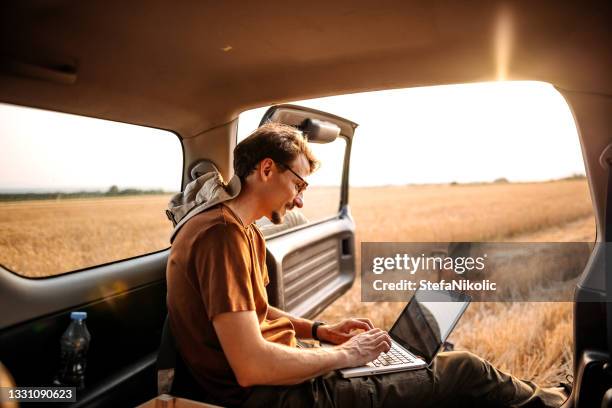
(78, 315)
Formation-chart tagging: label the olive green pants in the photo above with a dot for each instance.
(455, 379)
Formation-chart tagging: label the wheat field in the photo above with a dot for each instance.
(47, 237)
(531, 340)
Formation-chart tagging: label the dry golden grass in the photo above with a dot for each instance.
(480, 212)
(531, 340)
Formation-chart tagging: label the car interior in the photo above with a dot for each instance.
(192, 67)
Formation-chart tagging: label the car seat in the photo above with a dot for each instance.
(173, 375)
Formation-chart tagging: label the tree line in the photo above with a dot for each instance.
(113, 191)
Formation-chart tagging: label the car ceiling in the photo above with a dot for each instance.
(190, 66)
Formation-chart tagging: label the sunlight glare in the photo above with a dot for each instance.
(503, 42)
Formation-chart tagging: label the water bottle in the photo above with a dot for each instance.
(74, 344)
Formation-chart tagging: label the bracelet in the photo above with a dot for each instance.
(315, 326)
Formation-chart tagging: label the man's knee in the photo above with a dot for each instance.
(457, 373)
(462, 363)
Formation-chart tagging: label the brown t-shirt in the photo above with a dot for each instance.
(218, 265)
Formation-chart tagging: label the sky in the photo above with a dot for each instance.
(521, 131)
(49, 151)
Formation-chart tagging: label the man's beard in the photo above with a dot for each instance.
(276, 218)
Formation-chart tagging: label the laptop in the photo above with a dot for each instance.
(418, 334)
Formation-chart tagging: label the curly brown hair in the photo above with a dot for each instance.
(279, 142)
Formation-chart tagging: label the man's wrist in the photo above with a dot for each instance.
(315, 328)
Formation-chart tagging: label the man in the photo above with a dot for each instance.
(243, 351)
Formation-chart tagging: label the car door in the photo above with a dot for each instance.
(311, 262)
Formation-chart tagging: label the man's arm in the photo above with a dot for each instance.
(334, 333)
(256, 361)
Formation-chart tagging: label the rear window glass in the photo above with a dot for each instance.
(76, 192)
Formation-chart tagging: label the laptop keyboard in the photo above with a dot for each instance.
(395, 356)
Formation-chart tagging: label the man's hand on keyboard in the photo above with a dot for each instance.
(365, 347)
(340, 332)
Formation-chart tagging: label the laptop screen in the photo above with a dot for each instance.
(427, 321)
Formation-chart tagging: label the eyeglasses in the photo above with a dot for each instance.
(298, 187)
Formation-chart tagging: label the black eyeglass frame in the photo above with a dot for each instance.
(304, 182)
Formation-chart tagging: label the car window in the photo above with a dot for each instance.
(76, 192)
(322, 197)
